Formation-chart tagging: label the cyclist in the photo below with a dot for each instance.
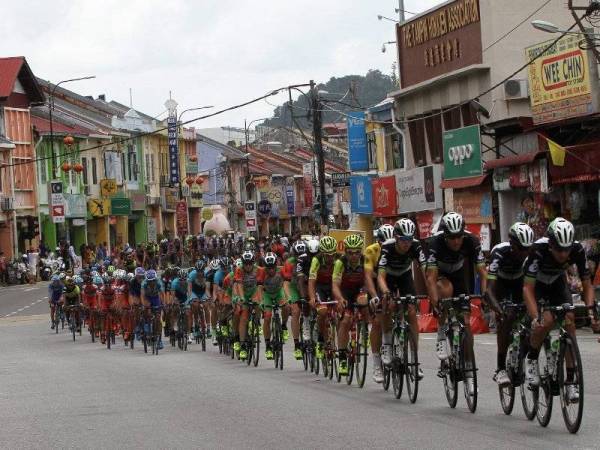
(90, 300)
(348, 281)
(152, 295)
(272, 294)
(72, 298)
(179, 288)
(385, 235)
(107, 297)
(135, 295)
(396, 277)
(302, 270)
(236, 305)
(122, 300)
(505, 282)
(226, 294)
(319, 284)
(212, 289)
(290, 287)
(446, 274)
(545, 280)
(248, 282)
(55, 293)
(197, 294)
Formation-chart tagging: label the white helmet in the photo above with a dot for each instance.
(405, 228)
(453, 223)
(312, 245)
(385, 233)
(522, 234)
(561, 232)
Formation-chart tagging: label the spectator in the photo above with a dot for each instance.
(3, 269)
(101, 252)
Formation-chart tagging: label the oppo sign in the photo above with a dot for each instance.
(462, 153)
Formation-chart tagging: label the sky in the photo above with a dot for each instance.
(205, 52)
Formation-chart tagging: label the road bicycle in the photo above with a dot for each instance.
(357, 351)
(308, 347)
(59, 316)
(457, 367)
(515, 362)
(329, 360)
(277, 337)
(199, 323)
(74, 319)
(108, 331)
(253, 337)
(560, 355)
(405, 358)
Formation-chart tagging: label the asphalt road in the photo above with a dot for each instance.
(56, 393)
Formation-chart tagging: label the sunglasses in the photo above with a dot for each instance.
(404, 238)
(454, 237)
(353, 252)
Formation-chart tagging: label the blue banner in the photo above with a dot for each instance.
(362, 194)
(357, 141)
(173, 150)
(289, 195)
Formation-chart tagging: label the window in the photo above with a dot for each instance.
(372, 150)
(397, 151)
(43, 166)
(433, 126)
(416, 131)
(94, 171)
(84, 163)
(2, 130)
(147, 166)
(152, 168)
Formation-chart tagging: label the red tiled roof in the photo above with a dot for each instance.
(42, 126)
(9, 71)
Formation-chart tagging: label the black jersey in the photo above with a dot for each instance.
(395, 263)
(447, 261)
(303, 265)
(543, 268)
(505, 264)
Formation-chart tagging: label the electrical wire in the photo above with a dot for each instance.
(148, 133)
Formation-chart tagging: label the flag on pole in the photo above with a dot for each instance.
(557, 152)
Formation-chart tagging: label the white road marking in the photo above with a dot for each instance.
(29, 289)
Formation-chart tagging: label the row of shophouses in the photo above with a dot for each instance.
(468, 131)
(88, 170)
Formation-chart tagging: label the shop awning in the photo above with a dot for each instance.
(582, 164)
(462, 183)
(513, 160)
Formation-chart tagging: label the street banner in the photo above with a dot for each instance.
(462, 153)
(385, 201)
(181, 217)
(357, 141)
(308, 188)
(151, 226)
(340, 179)
(419, 189)
(173, 149)
(250, 215)
(361, 194)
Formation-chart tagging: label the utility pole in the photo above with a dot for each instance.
(318, 145)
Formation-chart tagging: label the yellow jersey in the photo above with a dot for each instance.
(372, 254)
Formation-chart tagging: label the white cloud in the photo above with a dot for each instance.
(218, 52)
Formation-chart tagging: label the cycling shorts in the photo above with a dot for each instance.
(458, 281)
(555, 294)
(269, 300)
(294, 294)
(403, 284)
(154, 301)
(90, 301)
(55, 296)
(509, 290)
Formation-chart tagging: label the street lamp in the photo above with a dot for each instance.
(549, 27)
(51, 108)
(247, 128)
(383, 49)
(380, 17)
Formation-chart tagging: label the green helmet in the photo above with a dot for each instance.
(327, 244)
(353, 242)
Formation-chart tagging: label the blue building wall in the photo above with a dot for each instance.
(207, 157)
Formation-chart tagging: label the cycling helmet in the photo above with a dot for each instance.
(62, 275)
(98, 280)
(313, 246)
(561, 232)
(299, 247)
(78, 280)
(238, 262)
(215, 264)
(328, 244)
(404, 228)
(151, 275)
(225, 261)
(108, 279)
(94, 273)
(248, 256)
(55, 278)
(353, 242)
(521, 234)
(270, 259)
(130, 276)
(182, 274)
(139, 271)
(110, 270)
(453, 223)
(385, 233)
(200, 264)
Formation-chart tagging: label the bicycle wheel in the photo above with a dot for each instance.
(544, 411)
(529, 394)
(572, 410)
(362, 352)
(73, 325)
(203, 339)
(448, 372)
(275, 340)
(469, 378)
(144, 337)
(350, 363)
(411, 367)
(397, 362)
(108, 332)
(317, 362)
(256, 341)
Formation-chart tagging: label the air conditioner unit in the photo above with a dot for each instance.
(7, 203)
(516, 89)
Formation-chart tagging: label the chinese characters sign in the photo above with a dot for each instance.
(173, 149)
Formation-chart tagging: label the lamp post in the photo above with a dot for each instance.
(247, 128)
(51, 108)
